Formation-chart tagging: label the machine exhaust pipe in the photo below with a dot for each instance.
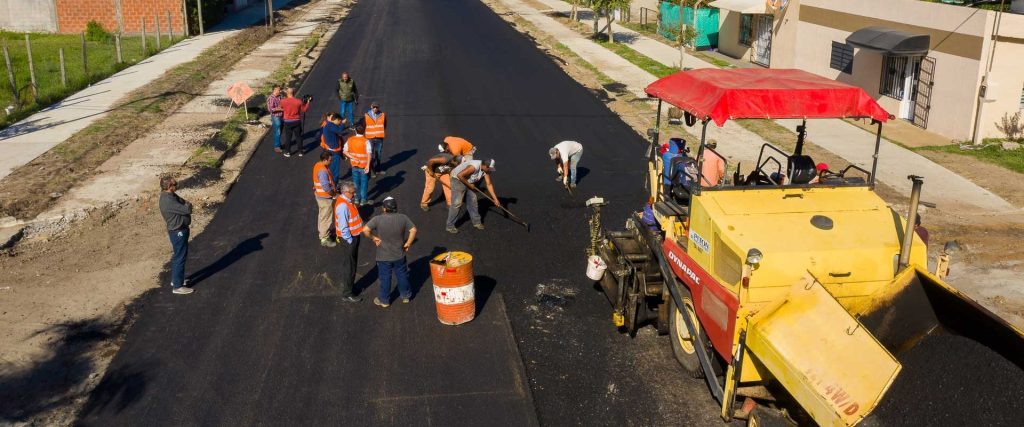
(908, 234)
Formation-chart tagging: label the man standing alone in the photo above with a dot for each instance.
(178, 214)
(276, 115)
(348, 96)
(323, 191)
(292, 108)
(393, 233)
(374, 122)
(348, 226)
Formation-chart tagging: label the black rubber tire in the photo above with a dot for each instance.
(688, 360)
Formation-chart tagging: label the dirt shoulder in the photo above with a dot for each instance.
(68, 291)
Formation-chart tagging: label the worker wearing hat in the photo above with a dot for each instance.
(375, 121)
(566, 155)
(464, 179)
(713, 166)
(392, 233)
(822, 169)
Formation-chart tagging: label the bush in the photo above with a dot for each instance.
(95, 32)
(1011, 126)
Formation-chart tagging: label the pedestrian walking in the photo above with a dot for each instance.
(458, 147)
(348, 96)
(177, 213)
(293, 109)
(467, 175)
(358, 151)
(332, 133)
(276, 115)
(566, 155)
(348, 226)
(323, 191)
(374, 120)
(393, 233)
(438, 168)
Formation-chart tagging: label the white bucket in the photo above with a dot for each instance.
(596, 267)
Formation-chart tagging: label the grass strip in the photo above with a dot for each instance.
(26, 191)
(991, 152)
(645, 62)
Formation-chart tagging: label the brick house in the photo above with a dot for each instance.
(71, 16)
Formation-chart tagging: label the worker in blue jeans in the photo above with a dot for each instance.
(348, 97)
(276, 115)
(177, 214)
(393, 234)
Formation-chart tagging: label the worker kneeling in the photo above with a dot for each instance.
(466, 176)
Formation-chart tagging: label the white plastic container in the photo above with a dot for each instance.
(596, 267)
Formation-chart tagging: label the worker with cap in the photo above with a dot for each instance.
(467, 175)
(332, 133)
(348, 227)
(713, 166)
(821, 169)
(358, 151)
(323, 191)
(438, 168)
(393, 233)
(458, 147)
(566, 155)
(374, 121)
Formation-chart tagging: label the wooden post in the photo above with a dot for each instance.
(145, 52)
(170, 31)
(10, 76)
(184, 18)
(63, 70)
(31, 68)
(117, 48)
(156, 22)
(199, 5)
(85, 59)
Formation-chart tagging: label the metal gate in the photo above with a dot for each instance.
(762, 54)
(925, 83)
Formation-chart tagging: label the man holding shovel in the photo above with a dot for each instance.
(466, 176)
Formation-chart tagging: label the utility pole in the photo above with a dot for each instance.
(199, 5)
(982, 91)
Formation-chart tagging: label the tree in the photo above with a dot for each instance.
(607, 7)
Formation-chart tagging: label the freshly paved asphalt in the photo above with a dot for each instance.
(265, 340)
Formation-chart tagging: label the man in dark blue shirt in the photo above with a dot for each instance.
(332, 135)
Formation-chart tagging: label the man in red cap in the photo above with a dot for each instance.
(822, 169)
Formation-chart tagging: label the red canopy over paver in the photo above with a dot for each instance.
(757, 93)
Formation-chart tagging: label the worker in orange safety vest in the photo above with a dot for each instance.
(358, 150)
(348, 226)
(375, 121)
(323, 191)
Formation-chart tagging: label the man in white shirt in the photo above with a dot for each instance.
(566, 155)
(464, 179)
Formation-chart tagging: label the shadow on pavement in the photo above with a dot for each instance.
(386, 184)
(397, 158)
(246, 247)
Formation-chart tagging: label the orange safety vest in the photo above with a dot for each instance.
(356, 153)
(355, 222)
(374, 128)
(323, 144)
(317, 188)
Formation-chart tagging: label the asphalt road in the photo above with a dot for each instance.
(264, 340)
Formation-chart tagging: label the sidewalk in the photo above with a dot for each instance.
(22, 142)
(945, 188)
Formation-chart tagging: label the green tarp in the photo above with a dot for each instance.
(707, 23)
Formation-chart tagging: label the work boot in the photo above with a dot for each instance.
(405, 300)
(182, 291)
(277, 149)
(478, 226)
(328, 242)
(572, 185)
(300, 153)
(452, 230)
(424, 207)
(287, 154)
(380, 303)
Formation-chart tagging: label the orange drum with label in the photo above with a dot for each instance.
(452, 274)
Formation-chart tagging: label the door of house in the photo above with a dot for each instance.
(923, 94)
(762, 54)
(910, 82)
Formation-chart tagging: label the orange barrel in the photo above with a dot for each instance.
(452, 273)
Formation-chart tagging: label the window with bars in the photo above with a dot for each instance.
(1022, 99)
(894, 68)
(842, 57)
(746, 29)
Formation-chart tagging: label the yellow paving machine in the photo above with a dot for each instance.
(795, 291)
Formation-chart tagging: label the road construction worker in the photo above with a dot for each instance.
(374, 121)
(332, 133)
(393, 233)
(348, 227)
(467, 175)
(292, 109)
(348, 97)
(358, 151)
(713, 169)
(323, 191)
(438, 168)
(566, 155)
(458, 147)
